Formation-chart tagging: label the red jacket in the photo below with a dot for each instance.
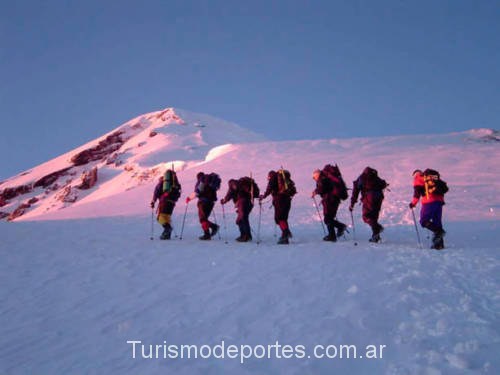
(428, 189)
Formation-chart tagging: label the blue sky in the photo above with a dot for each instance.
(73, 70)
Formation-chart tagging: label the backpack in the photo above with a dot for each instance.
(272, 183)
(339, 188)
(207, 185)
(433, 183)
(370, 181)
(285, 183)
(213, 181)
(171, 186)
(248, 186)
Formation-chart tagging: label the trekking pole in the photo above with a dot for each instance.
(260, 218)
(319, 214)
(416, 228)
(215, 221)
(184, 220)
(152, 224)
(353, 229)
(225, 223)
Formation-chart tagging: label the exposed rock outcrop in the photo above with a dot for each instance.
(169, 115)
(33, 200)
(89, 179)
(19, 211)
(114, 159)
(51, 178)
(104, 148)
(67, 195)
(9, 193)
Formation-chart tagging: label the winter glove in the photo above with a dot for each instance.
(313, 193)
(411, 205)
(152, 204)
(222, 201)
(261, 198)
(351, 207)
(190, 197)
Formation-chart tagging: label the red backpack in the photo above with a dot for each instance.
(332, 172)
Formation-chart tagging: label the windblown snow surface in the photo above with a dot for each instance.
(79, 282)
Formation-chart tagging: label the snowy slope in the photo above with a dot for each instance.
(75, 291)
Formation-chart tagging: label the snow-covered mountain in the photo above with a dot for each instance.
(129, 156)
(75, 292)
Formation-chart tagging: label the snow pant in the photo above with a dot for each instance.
(205, 208)
(282, 204)
(330, 205)
(430, 216)
(372, 203)
(165, 209)
(243, 208)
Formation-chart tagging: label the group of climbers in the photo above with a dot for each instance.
(330, 186)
